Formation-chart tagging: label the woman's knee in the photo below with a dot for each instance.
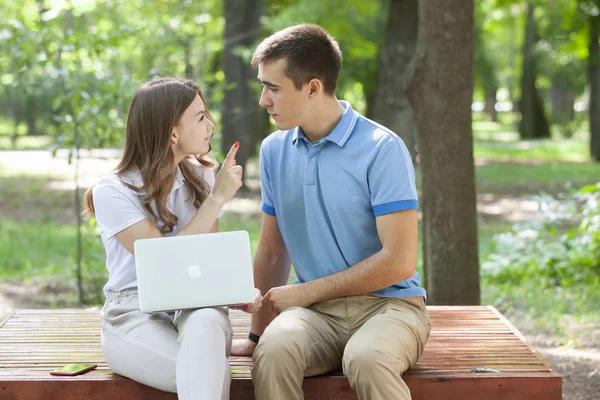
(207, 322)
(205, 317)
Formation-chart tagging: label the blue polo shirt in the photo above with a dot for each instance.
(326, 195)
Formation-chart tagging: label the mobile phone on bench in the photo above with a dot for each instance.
(73, 369)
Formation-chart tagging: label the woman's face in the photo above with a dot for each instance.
(193, 132)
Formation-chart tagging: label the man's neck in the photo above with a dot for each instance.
(323, 120)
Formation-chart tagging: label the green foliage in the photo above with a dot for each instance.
(67, 54)
(359, 29)
(551, 251)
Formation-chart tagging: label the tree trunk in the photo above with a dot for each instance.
(512, 56)
(17, 109)
(534, 124)
(240, 103)
(262, 125)
(187, 57)
(594, 78)
(562, 100)
(485, 71)
(490, 102)
(390, 105)
(31, 113)
(79, 252)
(440, 90)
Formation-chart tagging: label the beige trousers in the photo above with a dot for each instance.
(184, 352)
(373, 339)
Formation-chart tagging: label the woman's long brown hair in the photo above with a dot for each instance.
(155, 109)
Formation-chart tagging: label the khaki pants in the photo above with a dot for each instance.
(373, 339)
(184, 352)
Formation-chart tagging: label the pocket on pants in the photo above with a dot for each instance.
(414, 306)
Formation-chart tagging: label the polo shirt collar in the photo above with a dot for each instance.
(298, 134)
(179, 180)
(340, 134)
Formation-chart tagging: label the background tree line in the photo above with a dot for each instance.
(69, 68)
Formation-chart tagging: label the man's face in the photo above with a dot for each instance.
(286, 105)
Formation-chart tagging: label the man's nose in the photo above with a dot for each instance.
(264, 101)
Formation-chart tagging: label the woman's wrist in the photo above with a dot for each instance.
(214, 201)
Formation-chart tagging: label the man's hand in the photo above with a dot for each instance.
(250, 308)
(281, 298)
(242, 347)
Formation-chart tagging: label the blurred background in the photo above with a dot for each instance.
(68, 70)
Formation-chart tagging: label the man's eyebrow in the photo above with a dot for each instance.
(269, 83)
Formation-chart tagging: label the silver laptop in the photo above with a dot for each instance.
(193, 271)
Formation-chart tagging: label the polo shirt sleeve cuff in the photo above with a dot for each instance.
(395, 206)
(267, 209)
(112, 232)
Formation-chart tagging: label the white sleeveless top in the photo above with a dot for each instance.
(117, 207)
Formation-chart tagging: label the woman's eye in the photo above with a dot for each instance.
(201, 118)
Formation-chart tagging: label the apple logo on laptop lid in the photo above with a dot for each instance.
(194, 271)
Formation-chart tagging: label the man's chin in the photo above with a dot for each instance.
(282, 127)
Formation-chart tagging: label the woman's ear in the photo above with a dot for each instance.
(174, 136)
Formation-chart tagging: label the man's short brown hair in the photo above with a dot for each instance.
(310, 53)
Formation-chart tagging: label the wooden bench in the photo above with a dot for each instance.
(463, 339)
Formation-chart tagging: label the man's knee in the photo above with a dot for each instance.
(368, 362)
(279, 344)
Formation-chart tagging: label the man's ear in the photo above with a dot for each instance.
(315, 86)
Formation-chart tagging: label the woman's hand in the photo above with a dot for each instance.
(250, 308)
(228, 179)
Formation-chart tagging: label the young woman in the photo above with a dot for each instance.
(164, 186)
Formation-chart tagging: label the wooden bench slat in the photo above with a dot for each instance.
(33, 342)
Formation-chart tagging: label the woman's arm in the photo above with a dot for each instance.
(228, 181)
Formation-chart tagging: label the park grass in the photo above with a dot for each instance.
(498, 141)
(518, 179)
(25, 143)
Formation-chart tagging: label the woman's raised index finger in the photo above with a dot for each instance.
(230, 158)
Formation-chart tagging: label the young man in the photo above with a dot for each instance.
(339, 201)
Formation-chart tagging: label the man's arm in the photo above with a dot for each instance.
(396, 261)
(271, 269)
